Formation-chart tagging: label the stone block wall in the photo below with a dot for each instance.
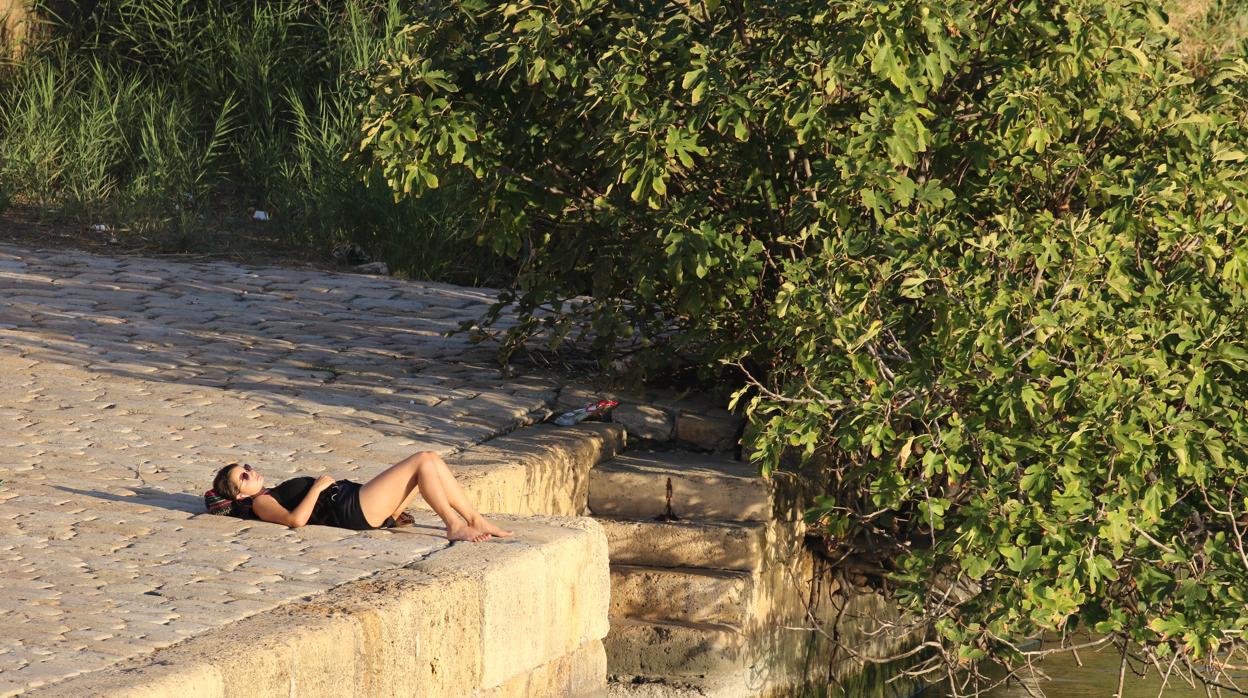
(523, 617)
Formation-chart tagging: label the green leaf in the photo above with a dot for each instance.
(912, 286)
(659, 186)
(740, 131)
(699, 91)
(975, 567)
(1138, 55)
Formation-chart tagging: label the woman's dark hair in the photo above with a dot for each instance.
(221, 500)
(223, 485)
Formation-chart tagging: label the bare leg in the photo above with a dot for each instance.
(382, 495)
(407, 502)
(459, 501)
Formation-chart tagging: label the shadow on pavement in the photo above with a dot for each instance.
(177, 501)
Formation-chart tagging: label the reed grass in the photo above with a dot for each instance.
(170, 118)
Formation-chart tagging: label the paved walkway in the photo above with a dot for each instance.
(125, 383)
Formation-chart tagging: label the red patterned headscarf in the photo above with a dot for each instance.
(216, 504)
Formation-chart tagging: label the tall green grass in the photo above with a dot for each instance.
(175, 117)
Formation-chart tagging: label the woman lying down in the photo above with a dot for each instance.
(238, 490)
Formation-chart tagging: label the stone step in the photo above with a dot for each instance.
(713, 431)
(703, 487)
(682, 594)
(665, 648)
(707, 544)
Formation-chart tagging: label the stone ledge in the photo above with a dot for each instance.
(691, 421)
(542, 469)
(636, 485)
(485, 619)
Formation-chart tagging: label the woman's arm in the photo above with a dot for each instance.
(268, 509)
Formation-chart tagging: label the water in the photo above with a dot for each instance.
(1097, 678)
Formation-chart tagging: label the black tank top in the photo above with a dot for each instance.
(291, 493)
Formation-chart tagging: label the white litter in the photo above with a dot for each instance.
(374, 268)
(100, 228)
(260, 215)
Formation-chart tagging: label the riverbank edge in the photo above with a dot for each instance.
(522, 616)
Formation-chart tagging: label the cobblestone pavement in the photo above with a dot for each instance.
(125, 383)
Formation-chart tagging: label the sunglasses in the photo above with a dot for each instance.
(247, 472)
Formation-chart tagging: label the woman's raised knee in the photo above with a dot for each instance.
(420, 457)
(422, 463)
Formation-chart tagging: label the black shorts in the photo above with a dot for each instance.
(342, 499)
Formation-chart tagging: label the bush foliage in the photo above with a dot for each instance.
(983, 262)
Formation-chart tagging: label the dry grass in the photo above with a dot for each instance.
(1208, 29)
(12, 18)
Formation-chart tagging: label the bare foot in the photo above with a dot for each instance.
(485, 526)
(466, 533)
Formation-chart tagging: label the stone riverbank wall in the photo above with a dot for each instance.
(125, 382)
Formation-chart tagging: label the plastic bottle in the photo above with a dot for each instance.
(596, 409)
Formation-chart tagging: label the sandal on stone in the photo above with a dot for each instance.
(405, 519)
